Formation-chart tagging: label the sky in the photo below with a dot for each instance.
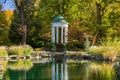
(8, 5)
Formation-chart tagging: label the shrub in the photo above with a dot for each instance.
(3, 51)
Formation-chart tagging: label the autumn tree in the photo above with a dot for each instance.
(5, 18)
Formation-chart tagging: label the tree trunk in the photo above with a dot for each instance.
(20, 6)
(24, 27)
(99, 21)
(24, 34)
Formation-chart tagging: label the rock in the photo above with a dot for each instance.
(87, 56)
(98, 57)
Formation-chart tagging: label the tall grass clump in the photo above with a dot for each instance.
(109, 48)
(3, 51)
(112, 47)
(20, 50)
(27, 50)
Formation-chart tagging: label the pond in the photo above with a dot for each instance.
(51, 69)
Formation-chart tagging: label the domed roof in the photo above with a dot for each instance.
(60, 19)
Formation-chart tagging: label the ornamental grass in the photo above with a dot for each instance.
(105, 51)
(20, 50)
(109, 48)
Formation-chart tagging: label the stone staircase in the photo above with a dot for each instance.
(59, 47)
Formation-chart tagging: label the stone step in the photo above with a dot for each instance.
(59, 47)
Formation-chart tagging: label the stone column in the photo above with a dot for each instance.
(66, 34)
(57, 34)
(53, 34)
(62, 34)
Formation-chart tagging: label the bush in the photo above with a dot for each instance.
(3, 51)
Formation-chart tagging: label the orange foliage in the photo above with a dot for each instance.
(75, 32)
(8, 15)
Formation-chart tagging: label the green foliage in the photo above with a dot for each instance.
(65, 47)
(20, 50)
(3, 51)
(110, 42)
(53, 47)
(1, 31)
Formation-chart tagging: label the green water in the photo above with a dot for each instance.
(53, 70)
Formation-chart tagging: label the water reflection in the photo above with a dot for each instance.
(3, 67)
(103, 71)
(59, 71)
(49, 69)
(20, 65)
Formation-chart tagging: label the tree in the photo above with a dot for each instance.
(25, 15)
(98, 14)
(5, 18)
(20, 6)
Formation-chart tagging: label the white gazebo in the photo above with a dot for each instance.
(59, 30)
